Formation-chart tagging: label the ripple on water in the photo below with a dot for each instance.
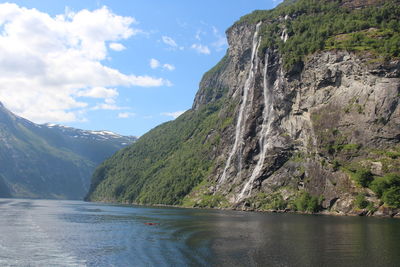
(68, 233)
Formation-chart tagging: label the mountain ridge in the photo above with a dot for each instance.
(50, 161)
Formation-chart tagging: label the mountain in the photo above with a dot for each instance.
(50, 161)
(301, 114)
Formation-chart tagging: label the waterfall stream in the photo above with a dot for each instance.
(240, 125)
(268, 114)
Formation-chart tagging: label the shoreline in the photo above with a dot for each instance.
(362, 213)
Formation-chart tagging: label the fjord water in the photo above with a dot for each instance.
(74, 233)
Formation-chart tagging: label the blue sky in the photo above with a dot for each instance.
(123, 66)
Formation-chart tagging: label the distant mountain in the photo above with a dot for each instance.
(4, 188)
(50, 161)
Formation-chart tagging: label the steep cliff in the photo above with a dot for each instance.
(50, 161)
(301, 114)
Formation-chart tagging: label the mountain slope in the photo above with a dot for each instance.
(301, 114)
(4, 192)
(50, 161)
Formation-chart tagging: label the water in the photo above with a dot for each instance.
(74, 233)
(239, 130)
(268, 117)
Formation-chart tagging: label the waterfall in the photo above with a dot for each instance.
(268, 114)
(284, 35)
(239, 124)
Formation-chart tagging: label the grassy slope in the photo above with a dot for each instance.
(165, 164)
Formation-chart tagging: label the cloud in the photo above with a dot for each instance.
(48, 62)
(98, 92)
(169, 41)
(174, 115)
(202, 49)
(198, 34)
(154, 63)
(169, 67)
(126, 115)
(117, 47)
(106, 106)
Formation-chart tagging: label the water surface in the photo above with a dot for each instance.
(74, 233)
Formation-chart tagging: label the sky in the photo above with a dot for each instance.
(121, 66)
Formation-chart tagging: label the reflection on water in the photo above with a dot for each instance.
(73, 233)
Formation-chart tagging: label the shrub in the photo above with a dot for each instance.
(272, 201)
(306, 202)
(211, 201)
(363, 177)
(388, 188)
(392, 197)
(361, 202)
(371, 207)
(393, 155)
(379, 185)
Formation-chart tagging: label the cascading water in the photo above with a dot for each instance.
(284, 35)
(240, 125)
(268, 114)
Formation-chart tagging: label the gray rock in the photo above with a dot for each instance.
(335, 99)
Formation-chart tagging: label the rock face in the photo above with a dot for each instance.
(293, 127)
(50, 161)
(307, 137)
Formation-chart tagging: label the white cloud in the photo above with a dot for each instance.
(174, 115)
(106, 106)
(47, 62)
(198, 34)
(169, 41)
(117, 46)
(169, 67)
(98, 92)
(126, 115)
(154, 63)
(202, 49)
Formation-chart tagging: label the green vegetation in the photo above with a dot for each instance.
(362, 176)
(297, 201)
(272, 201)
(388, 188)
(307, 203)
(212, 201)
(361, 202)
(392, 197)
(214, 93)
(392, 154)
(164, 165)
(316, 25)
